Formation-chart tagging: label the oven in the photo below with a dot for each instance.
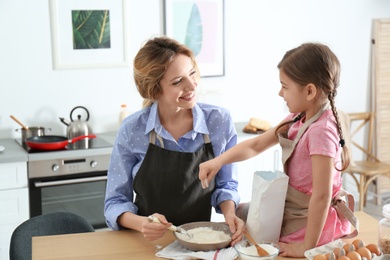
(72, 180)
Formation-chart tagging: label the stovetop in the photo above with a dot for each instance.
(88, 155)
(86, 144)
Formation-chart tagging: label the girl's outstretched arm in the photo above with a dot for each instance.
(240, 152)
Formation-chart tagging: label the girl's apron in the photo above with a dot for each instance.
(297, 203)
(168, 183)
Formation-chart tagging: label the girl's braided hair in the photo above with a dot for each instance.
(315, 63)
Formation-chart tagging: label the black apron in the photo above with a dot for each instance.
(168, 183)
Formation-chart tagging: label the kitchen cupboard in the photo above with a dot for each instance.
(269, 160)
(14, 204)
(14, 207)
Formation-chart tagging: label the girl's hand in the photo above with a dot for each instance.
(207, 171)
(292, 250)
(153, 230)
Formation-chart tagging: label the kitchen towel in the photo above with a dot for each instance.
(177, 251)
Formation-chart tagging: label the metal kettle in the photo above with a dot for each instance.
(77, 127)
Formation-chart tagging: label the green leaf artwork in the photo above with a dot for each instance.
(194, 31)
(91, 29)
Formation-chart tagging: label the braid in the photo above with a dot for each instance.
(299, 117)
(295, 119)
(345, 153)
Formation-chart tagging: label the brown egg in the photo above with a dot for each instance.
(336, 251)
(319, 257)
(339, 251)
(353, 255)
(331, 256)
(374, 249)
(358, 243)
(364, 252)
(348, 247)
(343, 257)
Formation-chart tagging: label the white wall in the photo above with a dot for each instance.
(257, 34)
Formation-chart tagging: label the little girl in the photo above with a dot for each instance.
(313, 148)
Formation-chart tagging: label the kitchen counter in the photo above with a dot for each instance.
(13, 152)
(109, 136)
(130, 244)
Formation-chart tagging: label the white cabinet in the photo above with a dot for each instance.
(14, 205)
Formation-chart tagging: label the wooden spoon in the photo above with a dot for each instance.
(20, 123)
(260, 251)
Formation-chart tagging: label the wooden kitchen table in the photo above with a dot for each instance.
(129, 244)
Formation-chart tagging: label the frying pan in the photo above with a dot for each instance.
(53, 142)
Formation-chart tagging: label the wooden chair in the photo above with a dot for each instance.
(361, 125)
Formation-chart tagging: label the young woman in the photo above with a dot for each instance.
(313, 150)
(158, 149)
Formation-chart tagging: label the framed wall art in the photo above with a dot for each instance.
(199, 24)
(88, 33)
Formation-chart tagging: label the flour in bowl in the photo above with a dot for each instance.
(204, 235)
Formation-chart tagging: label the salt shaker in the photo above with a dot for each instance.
(384, 230)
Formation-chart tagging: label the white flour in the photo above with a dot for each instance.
(250, 252)
(204, 235)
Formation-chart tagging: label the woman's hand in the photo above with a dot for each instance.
(153, 230)
(292, 250)
(236, 226)
(207, 171)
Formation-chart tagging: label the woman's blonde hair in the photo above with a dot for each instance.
(151, 62)
(315, 63)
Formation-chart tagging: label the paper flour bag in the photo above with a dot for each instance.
(265, 215)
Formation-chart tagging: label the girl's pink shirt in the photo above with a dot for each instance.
(321, 138)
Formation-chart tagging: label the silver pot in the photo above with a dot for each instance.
(31, 132)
